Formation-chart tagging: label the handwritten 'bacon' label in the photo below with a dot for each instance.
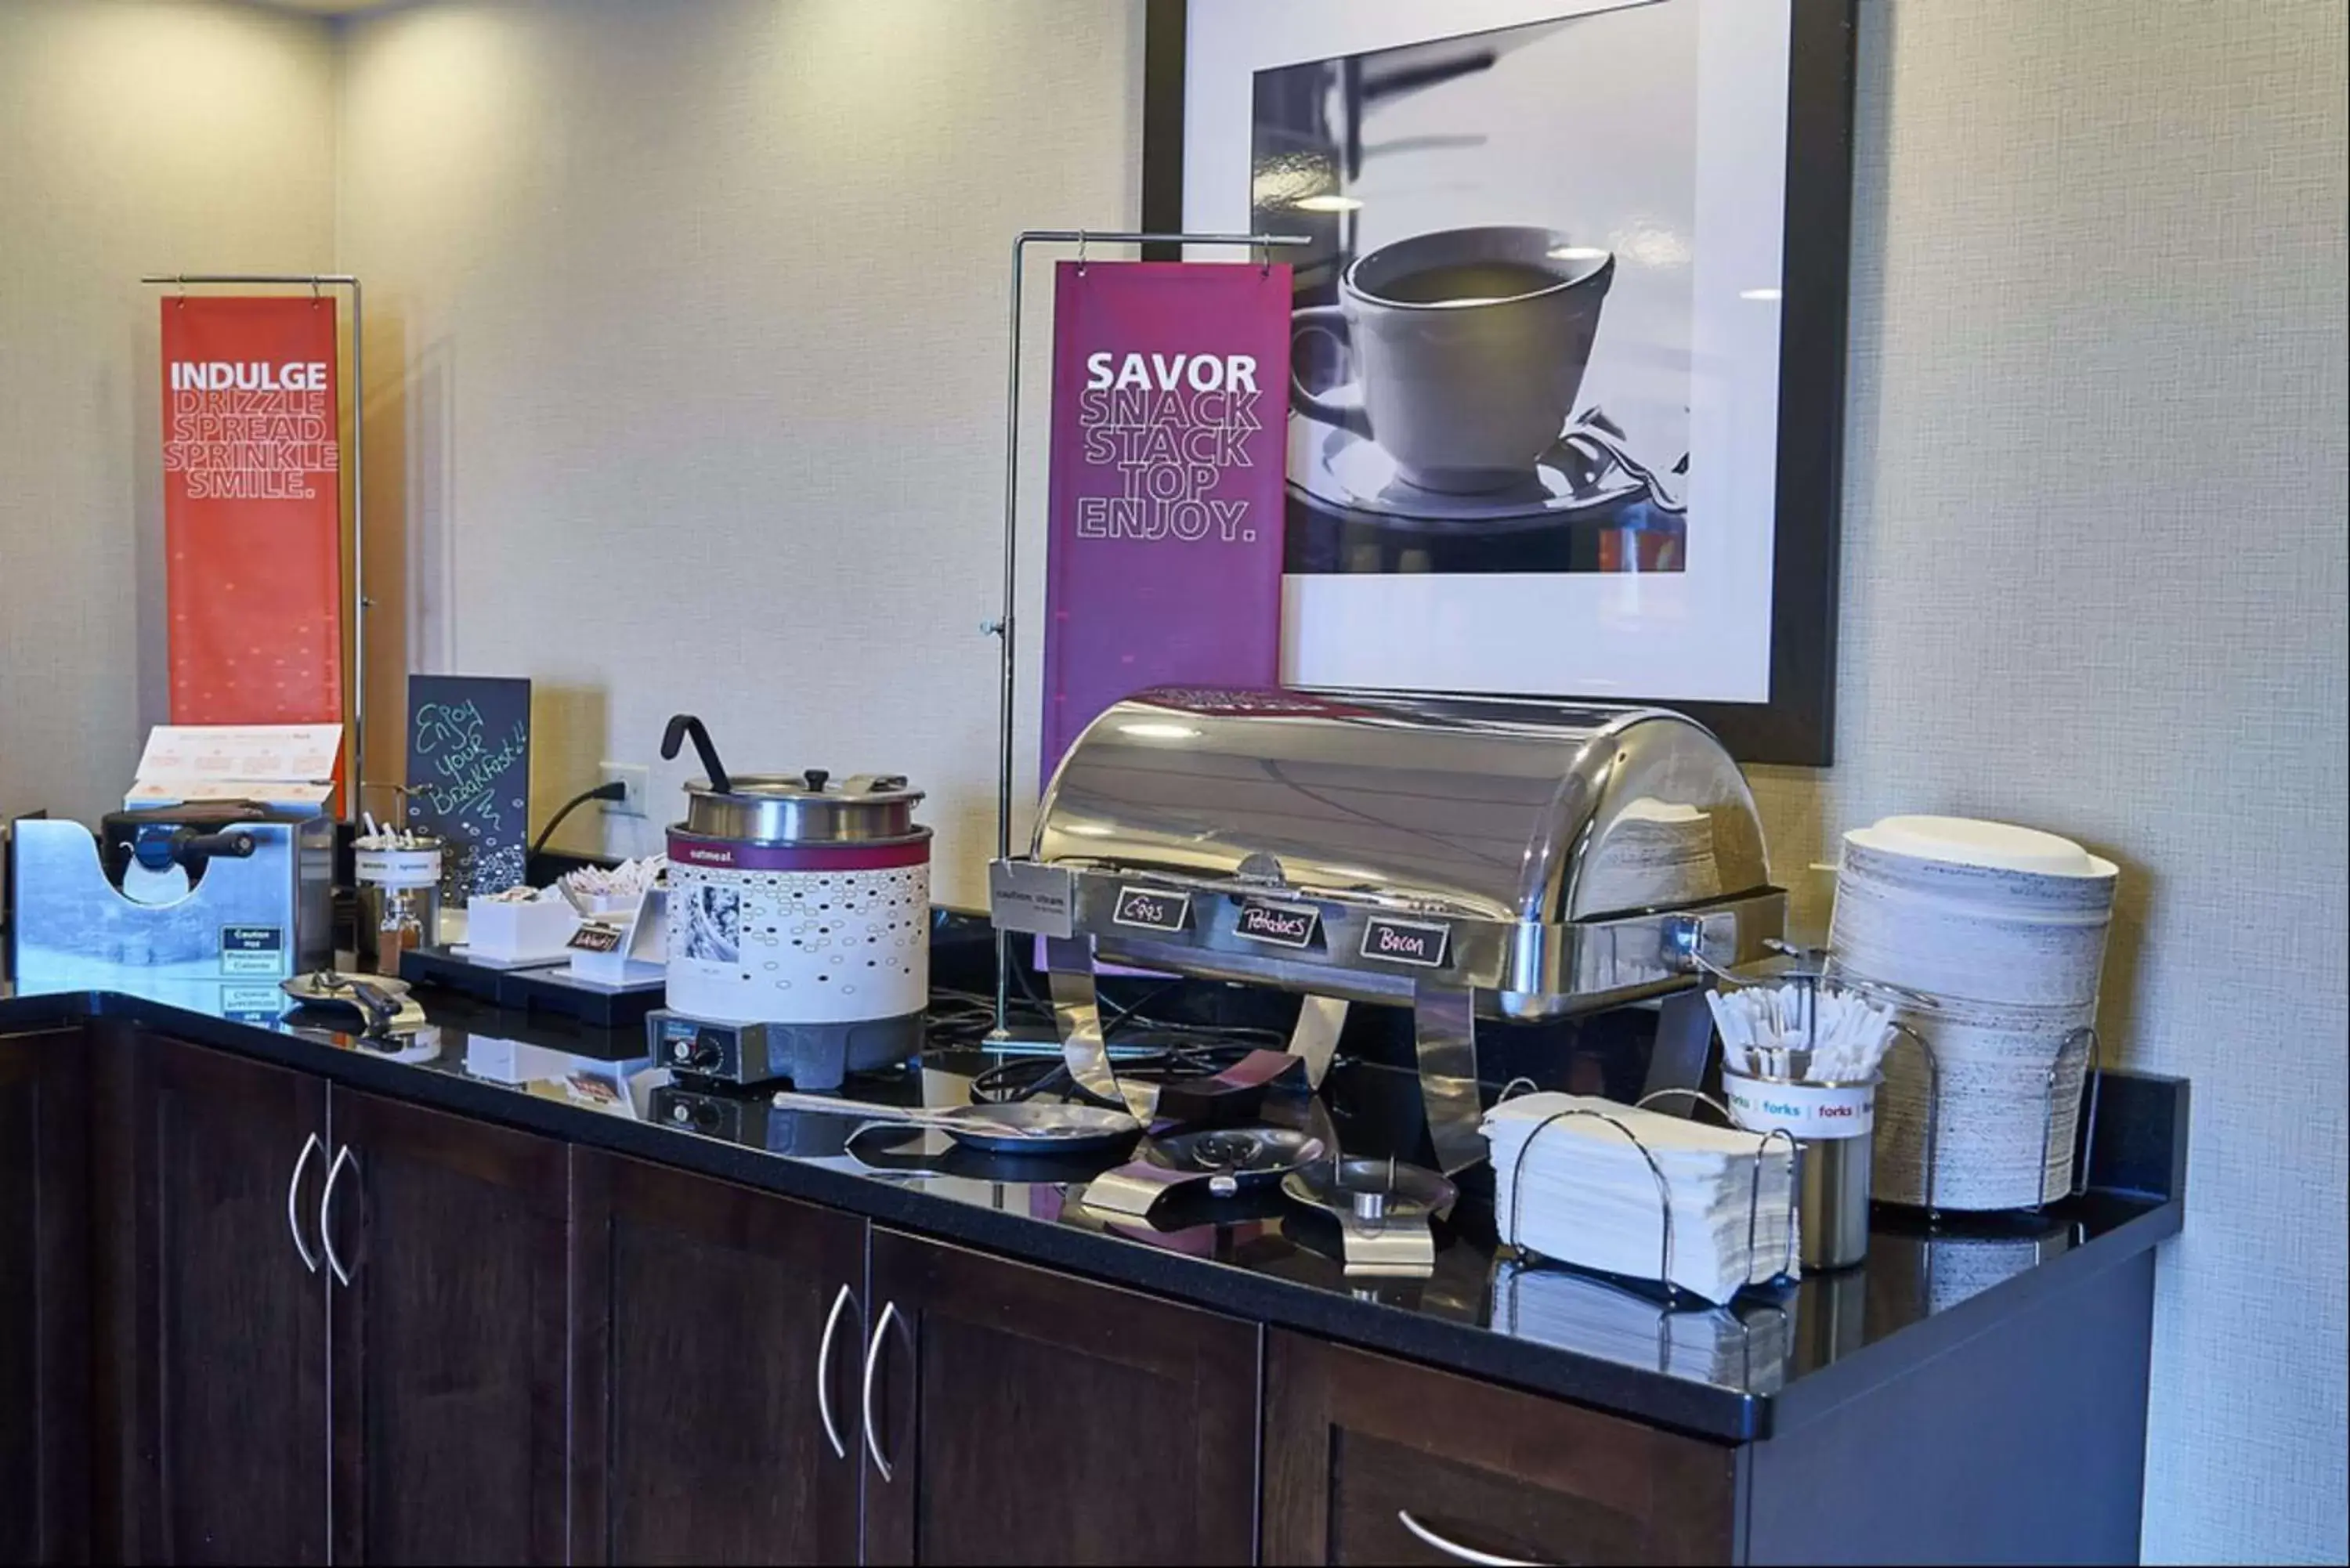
(1421, 944)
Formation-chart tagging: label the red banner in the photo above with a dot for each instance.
(253, 511)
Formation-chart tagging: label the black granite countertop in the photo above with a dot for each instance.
(1775, 1360)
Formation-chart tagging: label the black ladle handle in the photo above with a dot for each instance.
(377, 1006)
(685, 727)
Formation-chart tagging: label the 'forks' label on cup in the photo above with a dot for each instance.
(1807, 1111)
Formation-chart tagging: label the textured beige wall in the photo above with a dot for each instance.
(686, 341)
(714, 290)
(2093, 580)
(164, 135)
(687, 355)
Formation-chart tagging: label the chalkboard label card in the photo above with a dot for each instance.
(469, 778)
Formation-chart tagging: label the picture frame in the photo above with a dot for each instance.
(1786, 716)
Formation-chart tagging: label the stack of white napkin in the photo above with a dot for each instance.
(1742, 1347)
(1573, 1188)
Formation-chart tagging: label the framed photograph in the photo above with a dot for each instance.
(1567, 341)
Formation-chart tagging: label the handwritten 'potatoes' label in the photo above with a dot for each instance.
(1281, 925)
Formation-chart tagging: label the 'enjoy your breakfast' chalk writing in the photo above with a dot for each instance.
(467, 759)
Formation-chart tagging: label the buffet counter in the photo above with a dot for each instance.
(2049, 1312)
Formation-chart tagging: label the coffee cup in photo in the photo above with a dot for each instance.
(1470, 346)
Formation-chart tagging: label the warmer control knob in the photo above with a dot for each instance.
(700, 1054)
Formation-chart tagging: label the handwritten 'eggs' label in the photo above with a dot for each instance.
(1151, 908)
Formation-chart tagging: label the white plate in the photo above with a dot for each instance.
(1994, 845)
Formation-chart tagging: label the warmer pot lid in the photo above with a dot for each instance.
(803, 808)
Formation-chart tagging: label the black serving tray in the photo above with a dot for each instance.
(544, 990)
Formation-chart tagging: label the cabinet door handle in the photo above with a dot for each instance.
(343, 1157)
(293, 1191)
(1457, 1552)
(872, 1365)
(824, 1373)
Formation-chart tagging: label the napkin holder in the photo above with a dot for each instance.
(1509, 1231)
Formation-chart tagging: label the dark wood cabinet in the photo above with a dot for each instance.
(245, 1317)
(450, 1338)
(44, 1299)
(1028, 1417)
(706, 1314)
(1370, 1459)
(211, 1357)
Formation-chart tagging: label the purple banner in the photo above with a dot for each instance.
(1171, 384)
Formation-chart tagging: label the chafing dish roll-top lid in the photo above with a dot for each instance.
(1500, 810)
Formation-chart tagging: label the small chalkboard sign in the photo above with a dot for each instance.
(469, 778)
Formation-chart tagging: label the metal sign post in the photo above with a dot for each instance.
(1003, 626)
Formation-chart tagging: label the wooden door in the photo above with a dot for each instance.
(702, 1314)
(1370, 1459)
(44, 1298)
(450, 1337)
(209, 1376)
(1028, 1417)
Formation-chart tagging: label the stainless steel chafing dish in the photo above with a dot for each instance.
(1460, 857)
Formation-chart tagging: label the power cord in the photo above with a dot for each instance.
(614, 789)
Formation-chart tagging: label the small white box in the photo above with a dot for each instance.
(510, 933)
(603, 906)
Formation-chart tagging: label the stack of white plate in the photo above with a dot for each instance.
(1990, 940)
(1654, 853)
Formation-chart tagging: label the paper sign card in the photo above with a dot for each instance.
(290, 766)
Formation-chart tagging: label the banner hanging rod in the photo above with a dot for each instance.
(1150, 237)
(360, 603)
(1002, 628)
(321, 278)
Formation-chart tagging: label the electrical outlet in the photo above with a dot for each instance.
(636, 781)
